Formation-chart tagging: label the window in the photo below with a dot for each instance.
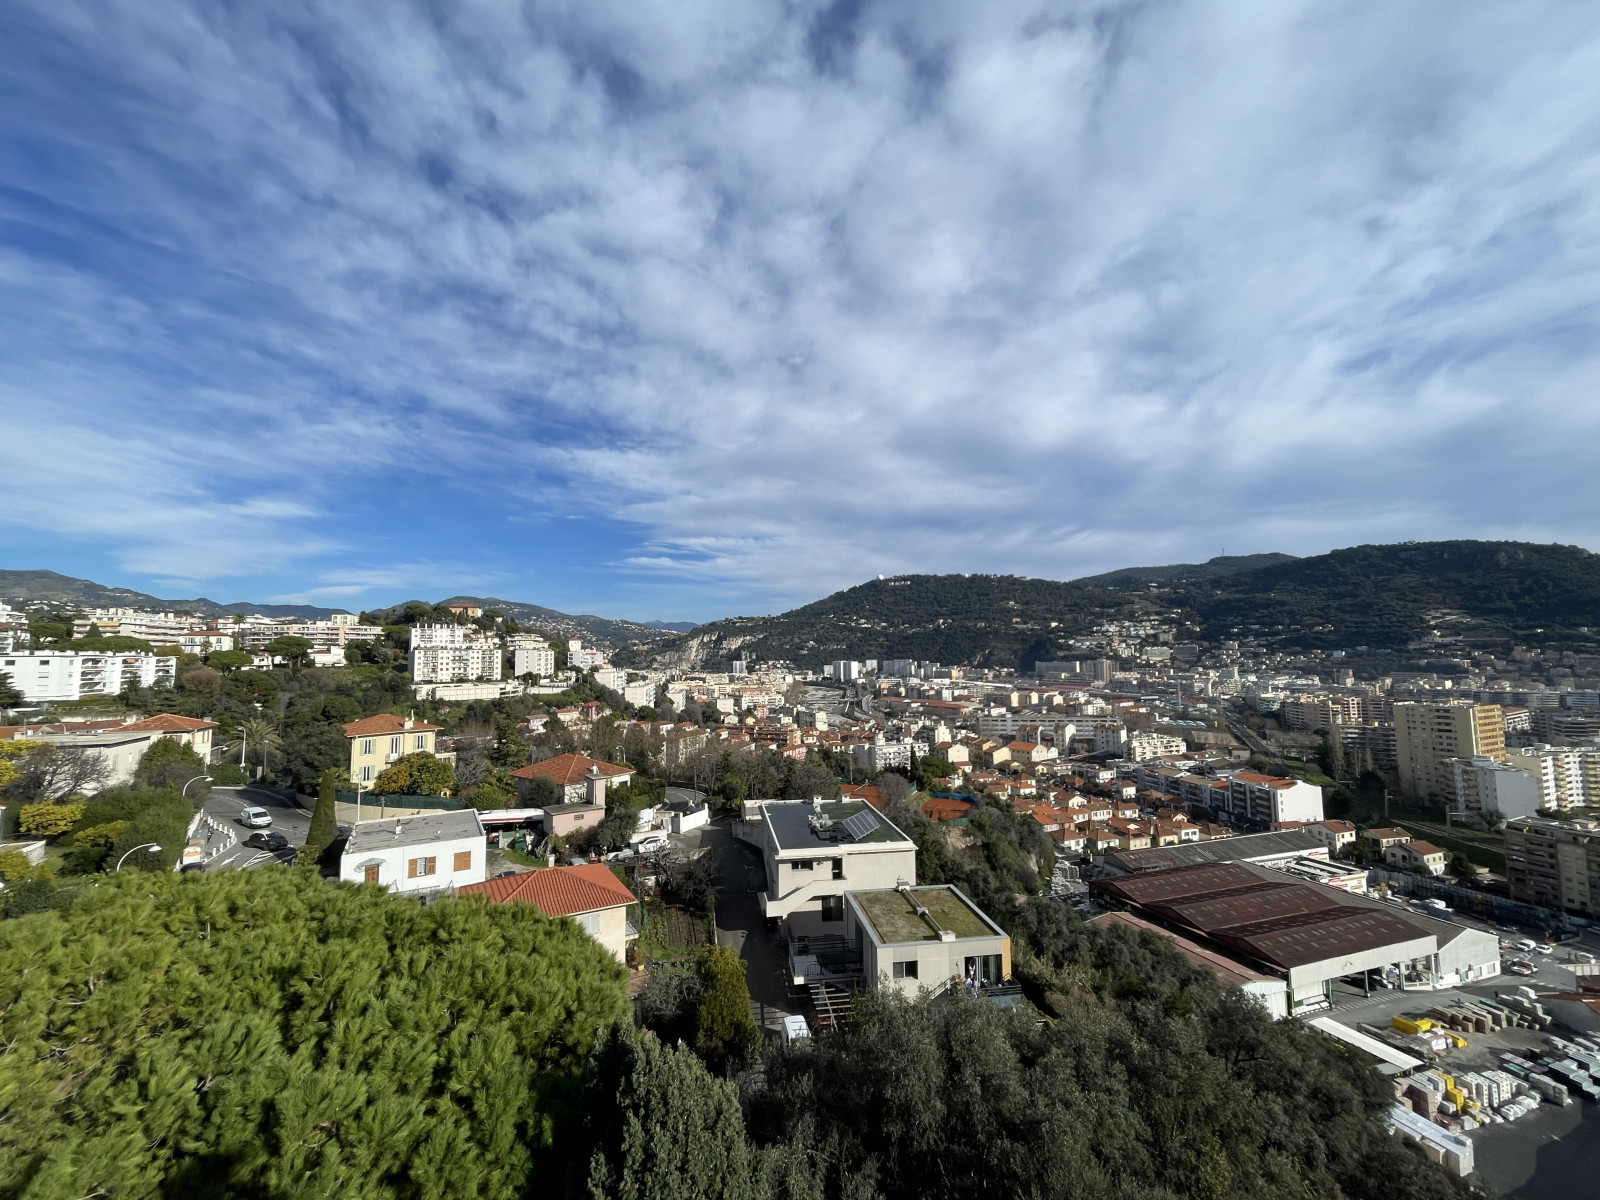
(463, 860)
(366, 745)
(370, 874)
(801, 864)
(838, 868)
(366, 773)
(417, 868)
(419, 741)
(833, 908)
(590, 922)
(906, 970)
(394, 744)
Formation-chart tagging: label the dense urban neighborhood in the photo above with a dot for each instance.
(784, 870)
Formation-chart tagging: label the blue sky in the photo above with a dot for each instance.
(679, 310)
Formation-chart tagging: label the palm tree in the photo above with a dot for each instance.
(261, 738)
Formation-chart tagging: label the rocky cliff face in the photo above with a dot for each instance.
(687, 652)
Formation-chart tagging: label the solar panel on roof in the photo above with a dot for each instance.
(860, 825)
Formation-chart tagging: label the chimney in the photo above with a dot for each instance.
(397, 827)
(596, 785)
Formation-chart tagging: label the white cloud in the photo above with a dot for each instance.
(1008, 287)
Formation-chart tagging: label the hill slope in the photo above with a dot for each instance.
(1381, 596)
(22, 588)
(1230, 564)
(600, 630)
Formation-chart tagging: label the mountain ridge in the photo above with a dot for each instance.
(1381, 596)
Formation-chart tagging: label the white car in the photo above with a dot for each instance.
(255, 818)
(795, 1029)
(650, 845)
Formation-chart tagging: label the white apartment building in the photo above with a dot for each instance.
(162, 627)
(531, 655)
(815, 853)
(60, 675)
(1487, 788)
(1110, 737)
(204, 641)
(452, 653)
(642, 693)
(844, 671)
(902, 668)
(1567, 776)
(338, 630)
(881, 755)
(580, 659)
(611, 677)
(1143, 746)
(1267, 799)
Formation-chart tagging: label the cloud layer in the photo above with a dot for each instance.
(683, 308)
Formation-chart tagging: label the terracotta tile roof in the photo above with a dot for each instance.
(569, 768)
(169, 723)
(557, 891)
(1423, 848)
(384, 723)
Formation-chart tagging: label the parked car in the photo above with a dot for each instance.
(652, 844)
(255, 818)
(1543, 949)
(1519, 966)
(267, 841)
(1527, 945)
(622, 855)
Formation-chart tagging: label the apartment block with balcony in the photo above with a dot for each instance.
(1429, 735)
(452, 654)
(1487, 789)
(376, 742)
(1554, 864)
(62, 675)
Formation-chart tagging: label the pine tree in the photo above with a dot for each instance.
(662, 1127)
(324, 818)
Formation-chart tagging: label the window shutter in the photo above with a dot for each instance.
(411, 868)
(430, 866)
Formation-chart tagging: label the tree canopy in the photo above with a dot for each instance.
(419, 774)
(268, 1034)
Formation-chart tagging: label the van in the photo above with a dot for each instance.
(651, 844)
(795, 1029)
(255, 818)
(1527, 945)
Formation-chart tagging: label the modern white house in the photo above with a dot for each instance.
(429, 852)
(815, 851)
(931, 937)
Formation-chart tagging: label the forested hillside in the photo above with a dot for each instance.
(1489, 593)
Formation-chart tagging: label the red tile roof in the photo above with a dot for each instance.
(384, 723)
(569, 768)
(557, 891)
(169, 723)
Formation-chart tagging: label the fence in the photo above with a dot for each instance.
(1482, 904)
(409, 803)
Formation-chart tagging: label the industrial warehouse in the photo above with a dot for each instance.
(1306, 934)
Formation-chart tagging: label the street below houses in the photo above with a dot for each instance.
(225, 804)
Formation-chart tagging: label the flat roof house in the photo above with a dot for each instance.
(815, 851)
(925, 937)
(430, 852)
(590, 894)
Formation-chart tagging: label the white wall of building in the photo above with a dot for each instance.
(60, 675)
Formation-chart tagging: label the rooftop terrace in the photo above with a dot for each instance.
(848, 822)
(894, 917)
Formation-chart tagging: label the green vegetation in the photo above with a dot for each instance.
(895, 917)
(419, 774)
(1380, 596)
(266, 1034)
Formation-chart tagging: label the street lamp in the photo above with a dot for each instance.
(184, 791)
(153, 847)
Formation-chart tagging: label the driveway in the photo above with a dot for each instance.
(740, 879)
(224, 805)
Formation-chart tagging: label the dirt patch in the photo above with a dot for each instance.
(677, 927)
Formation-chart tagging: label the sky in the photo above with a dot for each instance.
(689, 309)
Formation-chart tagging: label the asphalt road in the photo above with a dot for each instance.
(225, 805)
